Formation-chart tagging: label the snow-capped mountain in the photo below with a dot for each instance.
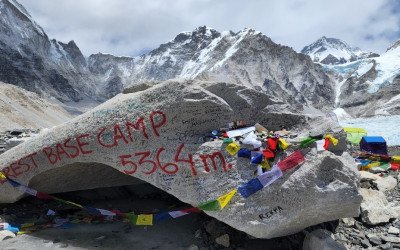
(247, 57)
(334, 51)
(370, 86)
(29, 59)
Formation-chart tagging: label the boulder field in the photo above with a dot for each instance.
(157, 135)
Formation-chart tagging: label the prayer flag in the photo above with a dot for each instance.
(307, 142)
(176, 214)
(270, 177)
(265, 165)
(272, 143)
(320, 145)
(226, 198)
(210, 206)
(283, 144)
(332, 139)
(268, 154)
(232, 148)
(293, 160)
(250, 187)
(144, 220)
(244, 152)
(256, 157)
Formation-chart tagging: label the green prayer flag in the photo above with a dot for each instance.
(307, 142)
(210, 206)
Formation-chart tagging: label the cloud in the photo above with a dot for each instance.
(131, 27)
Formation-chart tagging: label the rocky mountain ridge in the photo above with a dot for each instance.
(334, 51)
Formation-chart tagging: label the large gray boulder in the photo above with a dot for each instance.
(156, 135)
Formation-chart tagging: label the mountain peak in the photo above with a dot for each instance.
(329, 50)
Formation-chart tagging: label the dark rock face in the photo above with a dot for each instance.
(32, 61)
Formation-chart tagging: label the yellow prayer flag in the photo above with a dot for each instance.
(232, 148)
(396, 158)
(224, 199)
(2, 176)
(144, 219)
(332, 139)
(26, 225)
(265, 165)
(283, 144)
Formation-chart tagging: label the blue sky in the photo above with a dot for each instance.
(131, 27)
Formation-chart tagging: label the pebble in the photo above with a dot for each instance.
(391, 239)
(374, 239)
(386, 246)
(223, 240)
(365, 243)
(193, 247)
(63, 245)
(393, 230)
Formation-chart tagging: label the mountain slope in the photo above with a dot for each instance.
(334, 51)
(23, 109)
(247, 57)
(31, 60)
(370, 86)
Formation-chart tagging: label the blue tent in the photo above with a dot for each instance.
(374, 144)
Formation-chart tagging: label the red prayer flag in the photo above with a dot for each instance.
(395, 166)
(293, 160)
(326, 144)
(268, 154)
(272, 143)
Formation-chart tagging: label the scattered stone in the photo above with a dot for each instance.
(223, 240)
(367, 176)
(374, 207)
(56, 241)
(374, 239)
(5, 234)
(193, 247)
(101, 237)
(63, 245)
(393, 230)
(391, 239)
(386, 184)
(348, 221)
(365, 243)
(386, 246)
(321, 239)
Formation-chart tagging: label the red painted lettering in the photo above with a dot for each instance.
(51, 157)
(205, 164)
(82, 144)
(31, 156)
(16, 169)
(213, 157)
(156, 125)
(28, 167)
(164, 167)
(139, 124)
(143, 160)
(99, 136)
(118, 135)
(189, 160)
(74, 148)
(222, 160)
(60, 151)
(125, 163)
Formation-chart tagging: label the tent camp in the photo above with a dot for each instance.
(374, 144)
